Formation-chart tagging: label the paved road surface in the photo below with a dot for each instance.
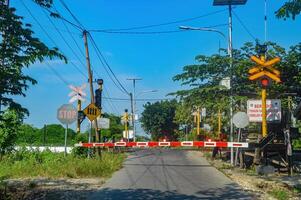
(168, 174)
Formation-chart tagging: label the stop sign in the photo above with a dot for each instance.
(67, 114)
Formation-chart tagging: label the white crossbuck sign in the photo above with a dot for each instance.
(77, 93)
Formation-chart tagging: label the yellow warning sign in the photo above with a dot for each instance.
(92, 112)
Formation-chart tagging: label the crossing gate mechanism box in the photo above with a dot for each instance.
(254, 110)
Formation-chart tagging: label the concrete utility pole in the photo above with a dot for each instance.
(133, 104)
(90, 79)
(231, 69)
(229, 3)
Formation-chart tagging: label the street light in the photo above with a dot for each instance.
(229, 3)
(188, 28)
(146, 91)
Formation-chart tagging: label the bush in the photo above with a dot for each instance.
(23, 164)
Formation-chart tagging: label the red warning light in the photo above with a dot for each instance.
(265, 82)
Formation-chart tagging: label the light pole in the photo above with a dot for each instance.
(229, 3)
(132, 96)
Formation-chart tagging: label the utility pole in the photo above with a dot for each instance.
(133, 104)
(133, 114)
(229, 3)
(90, 79)
(231, 79)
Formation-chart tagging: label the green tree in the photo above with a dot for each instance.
(9, 126)
(29, 135)
(290, 9)
(56, 135)
(158, 119)
(116, 128)
(203, 78)
(19, 49)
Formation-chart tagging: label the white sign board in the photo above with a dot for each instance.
(226, 82)
(203, 113)
(130, 134)
(102, 123)
(273, 110)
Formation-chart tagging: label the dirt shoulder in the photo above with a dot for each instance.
(266, 187)
(42, 188)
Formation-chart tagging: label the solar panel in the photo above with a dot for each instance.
(229, 2)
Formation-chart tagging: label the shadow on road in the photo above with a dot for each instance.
(165, 165)
(228, 192)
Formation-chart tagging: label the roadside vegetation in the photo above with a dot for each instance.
(30, 164)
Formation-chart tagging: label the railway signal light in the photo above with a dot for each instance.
(265, 82)
(98, 93)
(264, 73)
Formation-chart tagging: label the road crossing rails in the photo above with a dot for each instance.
(166, 144)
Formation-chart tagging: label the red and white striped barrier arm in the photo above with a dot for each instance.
(167, 144)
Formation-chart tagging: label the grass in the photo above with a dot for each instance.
(279, 194)
(26, 164)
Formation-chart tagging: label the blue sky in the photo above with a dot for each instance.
(156, 58)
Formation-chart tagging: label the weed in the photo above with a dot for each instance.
(54, 165)
(279, 194)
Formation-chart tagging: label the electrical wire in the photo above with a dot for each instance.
(57, 15)
(244, 26)
(113, 107)
(68, 30)
(68, 45)
(107, 66)
(99, 54)
(124, 99)
(154, 32)
(160, 24)
(47, 34)
(57, 74)
(72, 15)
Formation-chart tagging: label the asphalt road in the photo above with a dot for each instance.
(169, 174)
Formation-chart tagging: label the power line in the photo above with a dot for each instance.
(160, 24)
(99, 54)
(57, 74)
(47, 34)
(244, 26)
(76, 43)
(106, 65)
(114, 109)
(57, 15)
(153, 32)
(72, 15)
(68, 45)
(124, 99)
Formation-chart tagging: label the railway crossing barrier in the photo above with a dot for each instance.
(152, 144)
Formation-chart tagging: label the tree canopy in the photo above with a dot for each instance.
(290, 9)
(19, 49)
(158, 119)
(203, 78)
